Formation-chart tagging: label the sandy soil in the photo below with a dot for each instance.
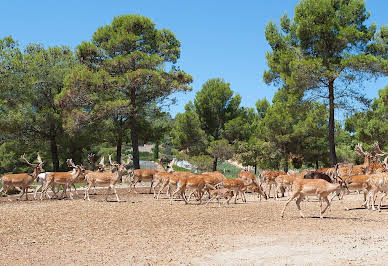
(142, 230)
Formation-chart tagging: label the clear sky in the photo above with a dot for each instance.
(220, 38)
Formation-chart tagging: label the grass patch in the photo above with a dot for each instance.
(178, 168)
(230, 171)
(146, 156)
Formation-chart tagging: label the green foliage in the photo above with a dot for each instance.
(187, 134)
(229, 170)
(372, 125)
(215, 106)
(31, 82)
(181, 169)
(326, 48)
(220, 149)
(124, 72)
(202, 162)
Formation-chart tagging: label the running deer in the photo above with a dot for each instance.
(313, 187)
(23, 180)
(108, 179)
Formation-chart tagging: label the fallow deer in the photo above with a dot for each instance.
(313, 187)
(109, 179)
(23, 180)
(66, 179)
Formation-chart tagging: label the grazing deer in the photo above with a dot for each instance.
(217, 193)
(238, 186)
(109, 179)
(254, 185)
(23, 180)
(313, 187)
(66, 179)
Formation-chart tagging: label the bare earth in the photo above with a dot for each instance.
(142, 230)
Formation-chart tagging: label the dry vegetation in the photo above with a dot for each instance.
(142, 230)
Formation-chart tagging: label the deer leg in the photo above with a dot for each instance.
(37, 188)
(114, 190)
(26, 189)
(152, 182)
(381, 200)
(293, 196)
(320, 208)
(107, 194)
(173, 194)
(71, 194)
(21, 193)
(161, 189)
(209, 200)
(298, 201)
(200, 197)
(132, 187)
(87, 192)
(75, 189)
(327, 206)
(154, 186)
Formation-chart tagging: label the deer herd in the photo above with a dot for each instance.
(370, 178)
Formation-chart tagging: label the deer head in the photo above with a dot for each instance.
(91, 158)
(367, 156)
(37, 167)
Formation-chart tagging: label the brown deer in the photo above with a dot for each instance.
(23, 180)
(109, 179)
(149, 174)
(218, 193)
(313, 187)
(66, 179)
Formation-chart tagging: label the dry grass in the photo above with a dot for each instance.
(142, 230)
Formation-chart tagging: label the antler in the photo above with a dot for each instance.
(39, 159)
(128, 160)
(70, 163)
(110, 160)
(358, 149)
(91, 158)
(377, 150)
(23, 157)
(172, 163)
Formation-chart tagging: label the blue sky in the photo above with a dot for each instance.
(219, 38)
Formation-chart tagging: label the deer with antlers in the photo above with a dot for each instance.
(379, 167)
(108, 179)
(64, 179)
(23, 180)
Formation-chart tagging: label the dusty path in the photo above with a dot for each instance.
(142, 230)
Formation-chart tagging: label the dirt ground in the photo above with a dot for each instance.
(142, 230)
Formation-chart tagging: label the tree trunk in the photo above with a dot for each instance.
(54, 153)
(119, 147)
(54, 148)
(316, 165)
(135, 142)
(285, 168)
(333, 155)
(215, 164)
(255, 169)
(156, 150)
